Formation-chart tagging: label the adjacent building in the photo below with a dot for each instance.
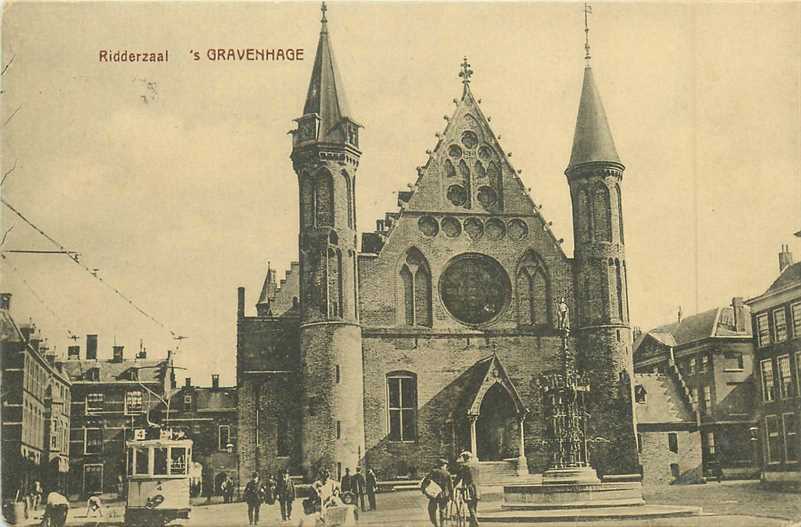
(777, 337)
(668, 437)
(208, 415)
(110, 398)
(710, 355)
(428, 338)
(35, 409)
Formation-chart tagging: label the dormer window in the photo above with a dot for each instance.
(93, 374)
(640, 393)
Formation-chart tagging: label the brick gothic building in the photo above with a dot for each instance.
(429, 339)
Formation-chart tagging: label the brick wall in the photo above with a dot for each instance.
(656, 456)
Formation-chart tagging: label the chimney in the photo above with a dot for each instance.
(738, 306)
(379, 225)
(27, 330)
(785, 258)
(188, 382)
(240, 302)
(50, 357)
(91, 347)
(215, 380)
(35, 338)
(117, 353)
(5, 301)
(73, 353)
(678, 315)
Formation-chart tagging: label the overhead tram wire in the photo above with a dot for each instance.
(36, 295)
(93, 273)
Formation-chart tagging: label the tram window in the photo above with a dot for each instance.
(160, 462)
(178, 460)
(130, 461)
(142, 458)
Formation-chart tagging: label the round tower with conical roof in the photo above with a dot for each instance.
(325, 156)
(595, 174)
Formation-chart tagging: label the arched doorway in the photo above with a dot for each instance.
(496, 429)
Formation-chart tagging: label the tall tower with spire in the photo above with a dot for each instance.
(325, 156)
(594, 174)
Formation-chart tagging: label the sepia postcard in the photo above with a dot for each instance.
(400, 263)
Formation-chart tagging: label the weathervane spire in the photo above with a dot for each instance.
(465, 74)
(323, 19)
(587, 13)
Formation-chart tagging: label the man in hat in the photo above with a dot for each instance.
(358, 485)
(437, 488)
(372, 487)
(253, 496)
(286, 494)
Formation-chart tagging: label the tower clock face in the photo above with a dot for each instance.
(475, 289)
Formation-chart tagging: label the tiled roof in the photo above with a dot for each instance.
(592, 140)
(790, 276)
(663, 402)
(717, 322)
(149, 370)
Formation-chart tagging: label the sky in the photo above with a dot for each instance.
(173, 180)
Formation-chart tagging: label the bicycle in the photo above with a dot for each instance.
(457, 508)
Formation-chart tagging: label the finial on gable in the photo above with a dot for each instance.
(465, 74)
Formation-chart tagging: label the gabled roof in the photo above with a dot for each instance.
(592, 140)
(326, 94)
(109, 372)
(789, 277)
(485, 374)
(663, 401)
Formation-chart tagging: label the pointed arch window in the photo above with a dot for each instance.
(334, 282)
(415, 277)
(349, 192)
(619, 200)
(308, 204)
(583, 216)
(533, 292)
(614, 290)
(602, 214)
(324, 199)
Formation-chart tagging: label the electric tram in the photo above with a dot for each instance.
(158, 480)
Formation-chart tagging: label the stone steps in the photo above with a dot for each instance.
(497, 472)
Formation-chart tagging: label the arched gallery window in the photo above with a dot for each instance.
(602, 214)
(402, 406)
(533, 294)
(416, 289)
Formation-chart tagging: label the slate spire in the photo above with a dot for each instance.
(326, 95)
(263, 307)
(592, 141)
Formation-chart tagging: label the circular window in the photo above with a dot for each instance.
(474, 288)
(457, 195)
(487, 197)
(428, 226)
(451, 227)
(495, 229)
(518, 230)
(454, 151)
(469, 139)
(474, 228)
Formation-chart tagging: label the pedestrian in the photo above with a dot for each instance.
(228, 489)
(358, 485)
(327, 491)
(253, 497)
(437, 487)
(94, 506)
(269, 489)
(36, 494)
(345, 484)
(469, 490)
(286, 495)
(371, 487)
(56, 510)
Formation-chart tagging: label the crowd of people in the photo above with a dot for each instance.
(351, 489)
(442, 488)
